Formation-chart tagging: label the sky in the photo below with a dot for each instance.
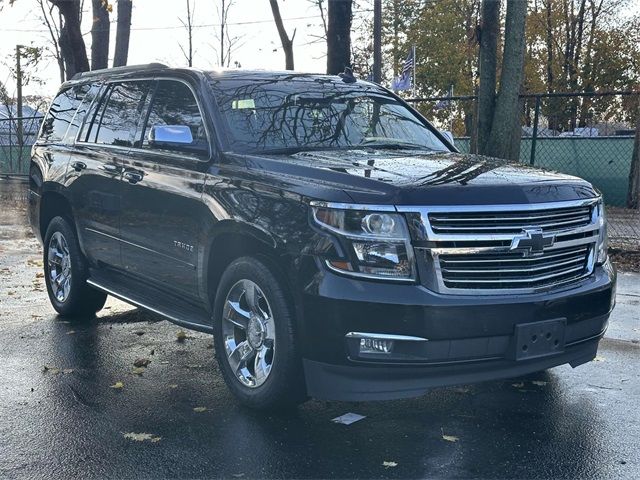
(157, 34)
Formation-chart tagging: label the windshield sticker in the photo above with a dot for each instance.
(242, 104)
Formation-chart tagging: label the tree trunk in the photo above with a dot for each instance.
(633, 195)
(338, 36)
(100, 35)
(72, 45)
(490, 29)
(123, 33)
(504, 140)
(287, 43)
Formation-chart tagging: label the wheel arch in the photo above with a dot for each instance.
(53, 203)
(231, 240)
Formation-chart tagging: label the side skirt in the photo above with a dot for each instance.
(170, 307)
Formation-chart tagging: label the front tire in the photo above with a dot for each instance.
(254, 337)
(65, 273)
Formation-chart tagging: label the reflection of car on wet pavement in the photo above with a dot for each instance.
(333, 241)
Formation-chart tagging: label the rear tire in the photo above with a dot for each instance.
(65, 272)
(254, 337)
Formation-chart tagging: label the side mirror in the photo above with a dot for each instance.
(167, 136)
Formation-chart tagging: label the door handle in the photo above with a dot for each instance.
(133, 176)
(111, 168)
(78, 166)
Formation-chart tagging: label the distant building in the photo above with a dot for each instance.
(8, 124)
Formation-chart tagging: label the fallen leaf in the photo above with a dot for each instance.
(461, 390)
(450, 438)
(539, 383)
(386, 464)
(39, 275)
(139, 332)
(181, 336)
(51, 370)
(141, 437)
(173, 386)
(141, 362)
(138, 371)
(71, 332)
(117, 385)
(200, 409)
(598, 359)
(67, 370)
(518, 385)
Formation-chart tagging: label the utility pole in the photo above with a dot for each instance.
(377, 41)
(19, 97)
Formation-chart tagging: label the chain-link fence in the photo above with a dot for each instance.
(587, 135)
(17, 135)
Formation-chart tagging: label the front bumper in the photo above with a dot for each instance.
(469, 339)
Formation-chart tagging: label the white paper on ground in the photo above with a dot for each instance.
(348, 418)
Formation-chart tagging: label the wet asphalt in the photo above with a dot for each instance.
(60, 416)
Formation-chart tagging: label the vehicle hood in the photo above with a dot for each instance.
(415, 178)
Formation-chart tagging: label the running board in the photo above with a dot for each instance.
(168, 306)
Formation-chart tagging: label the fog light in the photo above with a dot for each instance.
(375, 345)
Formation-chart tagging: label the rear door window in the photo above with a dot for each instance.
(81, 113)
(174, 104)
(61, 113)
(116, 121)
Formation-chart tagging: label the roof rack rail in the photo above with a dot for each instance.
(125, 69)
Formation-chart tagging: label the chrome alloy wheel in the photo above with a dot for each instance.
(59, 265)
(249, 334)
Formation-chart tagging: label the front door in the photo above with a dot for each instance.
(162, 188)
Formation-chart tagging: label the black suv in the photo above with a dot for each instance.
(332, 240)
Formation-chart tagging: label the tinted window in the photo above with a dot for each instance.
(72, 131)
(317, 113)
(61, 113)
(116, 121)
(174, 104)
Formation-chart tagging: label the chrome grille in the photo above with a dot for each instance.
(470, 250)
(510, 222)
(509, 270)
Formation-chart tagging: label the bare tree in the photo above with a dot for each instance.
(489, 32)
(72, 46)
(123, 33)
(503, 139)
(287, 43)
(339, 15)
(100, 31)
(188, 24)
(226, 43)
(53, 24)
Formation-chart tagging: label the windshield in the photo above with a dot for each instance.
(314, 113)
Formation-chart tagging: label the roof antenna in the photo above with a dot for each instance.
(347, 76)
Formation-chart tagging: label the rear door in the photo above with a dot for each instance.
(162, 188)
(97, 166)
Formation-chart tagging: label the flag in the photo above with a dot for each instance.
(403, 82)
(442, 104)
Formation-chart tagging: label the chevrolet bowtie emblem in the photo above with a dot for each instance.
(532, 241)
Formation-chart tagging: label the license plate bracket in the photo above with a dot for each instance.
(539, 339)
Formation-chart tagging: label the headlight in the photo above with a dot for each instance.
(603, 241)
(378, 243)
